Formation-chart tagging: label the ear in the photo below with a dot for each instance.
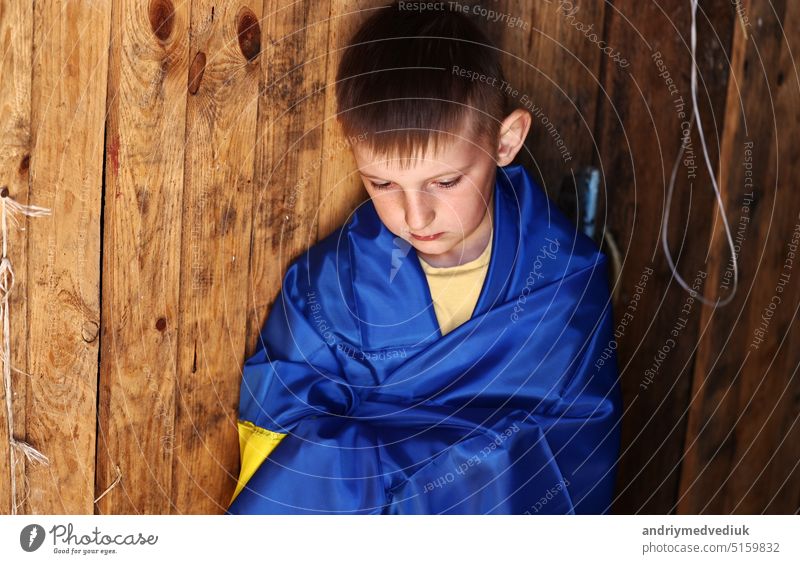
(513, 132)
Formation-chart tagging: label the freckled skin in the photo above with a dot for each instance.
(420, 197)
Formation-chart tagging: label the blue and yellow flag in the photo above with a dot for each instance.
(356, 403)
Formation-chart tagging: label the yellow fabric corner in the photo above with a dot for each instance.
(255, 444)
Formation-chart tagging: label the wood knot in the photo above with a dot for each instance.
(89, 331)
(249, 33)
(196, 72)
(24, 164)
(161, 324)
(162, 18)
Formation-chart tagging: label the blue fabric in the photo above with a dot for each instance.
(510, 413)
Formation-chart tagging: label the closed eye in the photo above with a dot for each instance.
(445, 184)
(449, 183)
(381, 186)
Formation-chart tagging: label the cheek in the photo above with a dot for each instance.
(469, 209)
(389, 209)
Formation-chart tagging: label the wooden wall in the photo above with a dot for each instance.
(189, 151)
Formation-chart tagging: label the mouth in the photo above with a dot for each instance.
(426, 238)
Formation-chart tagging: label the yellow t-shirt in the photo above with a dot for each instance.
(455, 289)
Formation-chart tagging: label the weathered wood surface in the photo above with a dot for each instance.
(16, 26)
(639, 134)
(69, 54)
(190, 150)
(554, 72)
(144, 175)
(742, 445)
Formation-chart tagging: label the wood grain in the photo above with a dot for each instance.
(639, 135)
(743, 439)
(221, 138)
(341, 190)
(554, 72)
(16, 25)
(142, 246)
(68, 103)
(288, 150)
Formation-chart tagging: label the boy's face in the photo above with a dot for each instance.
(441, 203)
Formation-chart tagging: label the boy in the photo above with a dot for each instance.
(436, 354)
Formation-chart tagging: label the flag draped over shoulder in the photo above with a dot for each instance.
(510, 413)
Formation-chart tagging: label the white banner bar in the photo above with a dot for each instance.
(386, 539)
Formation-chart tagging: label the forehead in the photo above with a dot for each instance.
(452, 153)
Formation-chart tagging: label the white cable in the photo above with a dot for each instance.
(670, 189)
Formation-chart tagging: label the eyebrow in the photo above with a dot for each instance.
(455, 172)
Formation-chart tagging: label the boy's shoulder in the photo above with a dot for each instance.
(362, 236)
(542, 223)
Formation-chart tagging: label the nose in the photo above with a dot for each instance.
(419, 212)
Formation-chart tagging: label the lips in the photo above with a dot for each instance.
(426, 238)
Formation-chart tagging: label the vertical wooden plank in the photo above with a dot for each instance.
(142, 235)
(225, 49)
(289, 149)
(743, 436)
(341, 189)
(16, 25)
(639, 135)
(553, 71)
(70, 65)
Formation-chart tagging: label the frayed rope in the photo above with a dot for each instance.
(10, 210)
